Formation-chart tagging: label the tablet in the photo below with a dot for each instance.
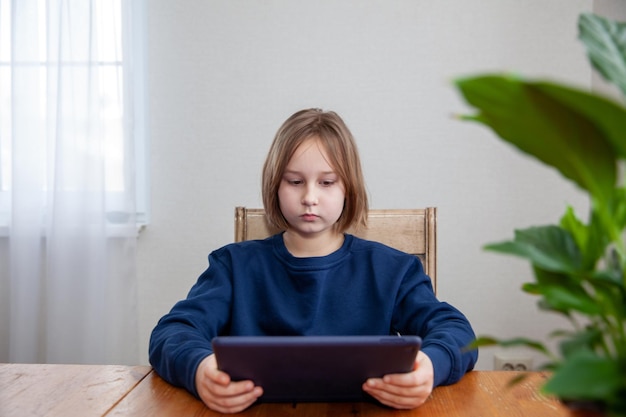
(314, 368)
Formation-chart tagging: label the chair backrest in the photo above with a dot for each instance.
(410, 230)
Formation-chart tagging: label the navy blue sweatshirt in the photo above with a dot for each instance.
(258, 288)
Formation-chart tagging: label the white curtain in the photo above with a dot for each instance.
(71, 232)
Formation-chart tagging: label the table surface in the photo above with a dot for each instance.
(112, 390)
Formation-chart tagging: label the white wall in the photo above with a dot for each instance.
(225, 74)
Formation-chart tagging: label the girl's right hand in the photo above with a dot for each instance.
(221, 394)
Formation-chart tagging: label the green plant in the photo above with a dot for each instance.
(579, 266)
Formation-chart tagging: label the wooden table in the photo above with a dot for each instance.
(108, 390)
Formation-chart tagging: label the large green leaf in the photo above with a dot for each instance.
(610, 294)
(581, 235)
(590, 238)
(577, 228)
(606, 47)
(585, 376)
(549, 247)
(563, 293)
(617, 206)
(545, 120)
(485, 341)
(584, 339)
(607, 115)
(574, 298)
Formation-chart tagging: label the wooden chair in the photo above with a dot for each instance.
(412, 230)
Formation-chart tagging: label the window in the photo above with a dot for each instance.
(112, 66)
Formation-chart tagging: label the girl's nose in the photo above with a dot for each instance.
(310, 196)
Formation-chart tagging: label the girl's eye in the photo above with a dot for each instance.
(327, 183)
(294, 182)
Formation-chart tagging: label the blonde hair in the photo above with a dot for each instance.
(335, 137)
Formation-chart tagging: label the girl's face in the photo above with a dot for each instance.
(311, 194)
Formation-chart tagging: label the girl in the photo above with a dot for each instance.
(311, 279)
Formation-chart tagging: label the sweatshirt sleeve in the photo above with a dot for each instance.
(444, 330)
(182, 338)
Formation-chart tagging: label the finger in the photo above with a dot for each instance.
(233, 395)
(408, 390)
(235, 404)
(397, 396)
(410, 379)
(218, 377)
(232, 389)
(394, 400)
(421, 375)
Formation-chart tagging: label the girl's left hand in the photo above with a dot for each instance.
(404, 391)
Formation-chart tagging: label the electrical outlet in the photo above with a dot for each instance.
(512, 363)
